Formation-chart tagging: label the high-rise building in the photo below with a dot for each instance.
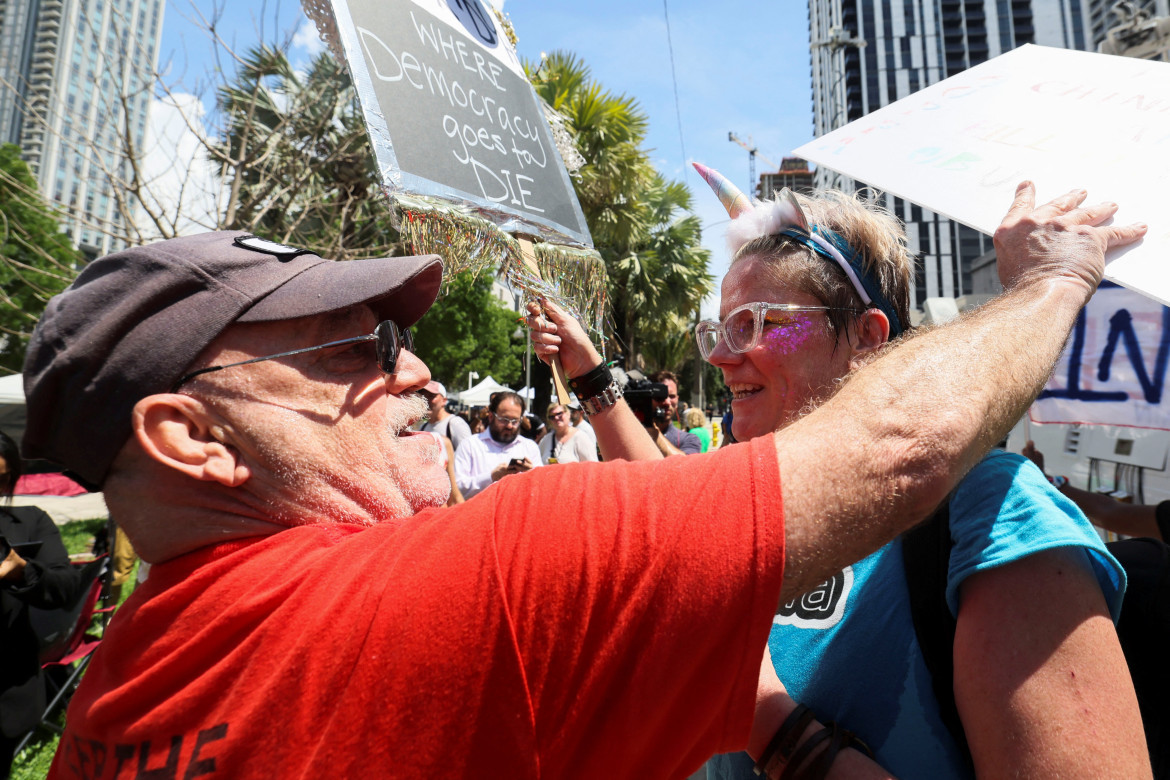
(1138, 28)
(76, 81)
(793, 173)
(866, 54)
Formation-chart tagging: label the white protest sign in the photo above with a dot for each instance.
(451, 114)
(1113, 371)
(1062, 119)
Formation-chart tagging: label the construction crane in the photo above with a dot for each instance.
(753, 185)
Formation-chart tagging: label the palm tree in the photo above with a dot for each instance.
(296, 157)
(639, 220)
(665, 274)
(672, 344)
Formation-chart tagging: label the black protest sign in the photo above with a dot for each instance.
(451, 115)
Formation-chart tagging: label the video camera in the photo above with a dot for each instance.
(640, 394)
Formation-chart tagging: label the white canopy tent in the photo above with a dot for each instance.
(481, 394)
(62, 509)
(12, 405)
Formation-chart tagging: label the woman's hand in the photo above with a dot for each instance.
(556, 334)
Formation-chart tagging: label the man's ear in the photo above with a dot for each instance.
(869, 334)
(180, 432)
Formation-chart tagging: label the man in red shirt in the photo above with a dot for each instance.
(247, 408)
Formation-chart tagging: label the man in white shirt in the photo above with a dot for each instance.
(577, 418)
(441, 421)
(497, 452)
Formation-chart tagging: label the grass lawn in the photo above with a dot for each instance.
(33, 763)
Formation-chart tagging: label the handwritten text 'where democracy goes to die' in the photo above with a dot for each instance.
(497, 143)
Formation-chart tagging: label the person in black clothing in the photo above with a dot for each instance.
(30, 576)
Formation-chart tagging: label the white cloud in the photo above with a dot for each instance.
(181, 181)
(307, 38)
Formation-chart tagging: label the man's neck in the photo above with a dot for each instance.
(440, 415)
(161, 530)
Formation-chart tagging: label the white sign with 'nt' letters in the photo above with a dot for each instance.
(1062, 119)
(1113, 370)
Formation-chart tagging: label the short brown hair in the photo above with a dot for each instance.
(505, 395)
(868, 228)
(663, 375)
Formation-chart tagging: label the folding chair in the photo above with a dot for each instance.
(64, 642)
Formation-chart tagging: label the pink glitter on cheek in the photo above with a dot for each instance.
(788, 337)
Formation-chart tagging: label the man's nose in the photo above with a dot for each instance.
(410, 374)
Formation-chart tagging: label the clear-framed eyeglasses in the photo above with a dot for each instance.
(742, 327)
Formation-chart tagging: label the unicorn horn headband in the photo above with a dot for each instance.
(783, 216)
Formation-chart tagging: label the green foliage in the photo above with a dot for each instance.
(640, 222)
(77, 535)
(713, 387)
(663, 279)
(609, 131)
(33, 763)
(37, 261)
(468, 329)
(672, 346)
(297, 158)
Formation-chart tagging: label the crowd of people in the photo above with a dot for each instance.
(335, 592)
(482, 445)
(475, 419)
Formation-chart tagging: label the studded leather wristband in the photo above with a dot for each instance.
(596, 389)
(606, 398)
(592, 382)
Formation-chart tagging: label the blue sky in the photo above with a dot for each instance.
(740, 66)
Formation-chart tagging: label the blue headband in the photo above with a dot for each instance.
(831, 246)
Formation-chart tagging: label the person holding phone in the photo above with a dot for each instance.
(34, 572)
(500, 450)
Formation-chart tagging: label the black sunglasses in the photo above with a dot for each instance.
(389, 342)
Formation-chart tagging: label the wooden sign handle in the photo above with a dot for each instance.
(558, 373)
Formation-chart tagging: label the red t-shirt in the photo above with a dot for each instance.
(539, 630)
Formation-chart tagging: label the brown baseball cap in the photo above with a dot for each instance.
(133, 321)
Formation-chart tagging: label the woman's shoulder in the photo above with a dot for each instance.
(1004, 482)
(1006, 510)
(1005, 506)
